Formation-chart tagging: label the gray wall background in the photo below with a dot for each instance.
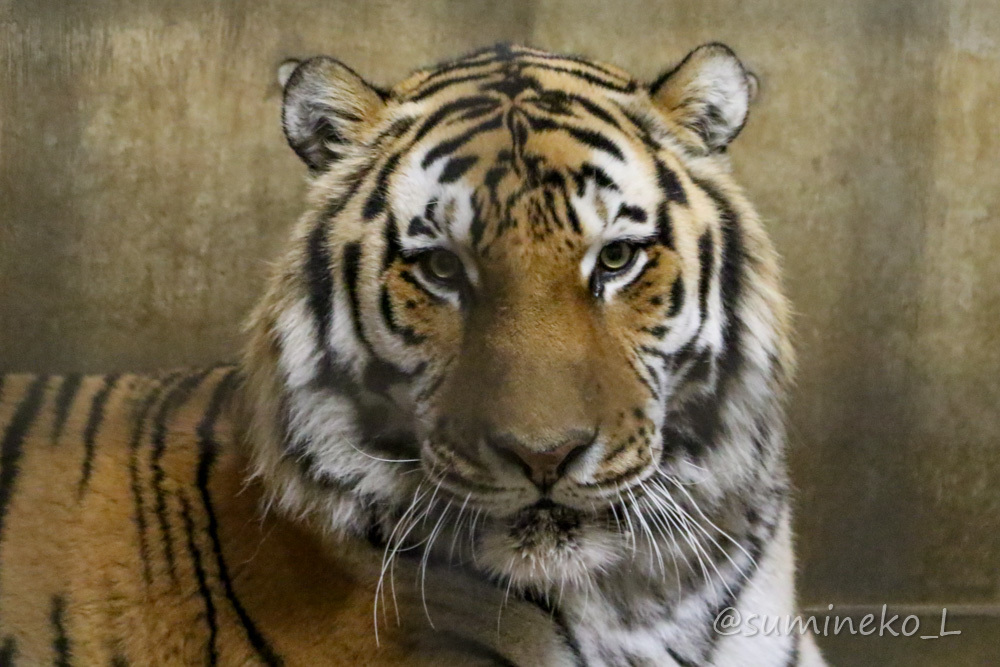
(145, 183)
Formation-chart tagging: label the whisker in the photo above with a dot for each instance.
(457, 530)
(379, 588)
(472, 535)
(649, 534)
(423, 562)
(377, 458)
(628, 522)
(689, 523)
(506, 595)
(712, 524)
(655, 515)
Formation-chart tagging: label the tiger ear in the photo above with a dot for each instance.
(327, 107)
(709, 93)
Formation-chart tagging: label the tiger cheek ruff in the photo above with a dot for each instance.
(514, 395)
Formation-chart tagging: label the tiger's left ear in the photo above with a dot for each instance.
(327, 108)
(709, 93)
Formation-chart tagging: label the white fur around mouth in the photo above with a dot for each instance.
(546, 547)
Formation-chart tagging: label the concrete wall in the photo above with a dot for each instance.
(144, 182)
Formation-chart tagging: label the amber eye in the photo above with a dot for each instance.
(442, 265)
(616, 256)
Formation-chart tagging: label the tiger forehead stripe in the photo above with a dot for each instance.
(483, 66)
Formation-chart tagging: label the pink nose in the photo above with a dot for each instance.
(543, 467)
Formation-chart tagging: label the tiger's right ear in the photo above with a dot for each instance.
(327, 107)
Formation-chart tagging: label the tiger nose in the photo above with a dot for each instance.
(544, 467)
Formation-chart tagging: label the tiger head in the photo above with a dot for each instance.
(527, 309)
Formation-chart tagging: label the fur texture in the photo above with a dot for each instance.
(517, 383)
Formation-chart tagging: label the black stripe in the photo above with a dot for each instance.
(378, 373)
(595, 140)
(676, 297)
(133, 468)
(589, 78)
(352, 268)
(730, 278)
(174, 400)
(119, 660)
(397, 129)
(441, 85)
(676, 439)
(600, 177)
(643, 126)
(456, 168)
(683, 662)
(477, 103)
(64, 400)
(634, 213)
(664, 226)
(574, 219)
(699, 369)
(670, 184)
(450, 146)
(390, 241)
(209, 449)
(90, 431)
(642, 378)
(60, 642)
(512, 83)
(13, 441)
(337, 204)
(8, 652)
(473, 114)
(418, 227)
(577, 60)
(704, 415)
(319, 278)
(377, 200)
(211, 650)
(596, 110)
(478, 224)
(409, 336)
(480, 58)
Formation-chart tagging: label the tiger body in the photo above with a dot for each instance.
(130, 536)
(513, 396)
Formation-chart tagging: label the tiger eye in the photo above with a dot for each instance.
(443, 265)
(616, 256)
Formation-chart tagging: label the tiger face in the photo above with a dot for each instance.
(516, 299)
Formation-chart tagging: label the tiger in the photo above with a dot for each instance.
(514, 395)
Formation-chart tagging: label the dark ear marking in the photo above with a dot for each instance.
(327, 107)
(709, 93)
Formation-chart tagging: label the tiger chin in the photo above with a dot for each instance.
(514, 395)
